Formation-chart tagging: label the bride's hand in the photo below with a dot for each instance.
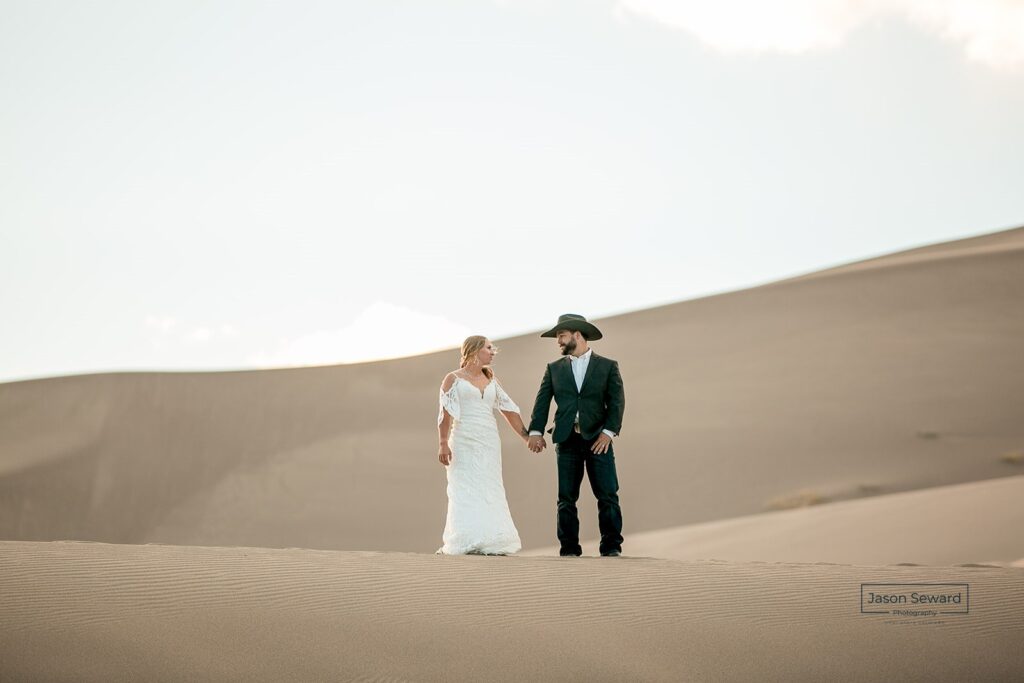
(444, 455)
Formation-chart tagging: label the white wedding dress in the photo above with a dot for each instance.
(478, 521)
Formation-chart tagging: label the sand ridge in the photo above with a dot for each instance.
(975, 522)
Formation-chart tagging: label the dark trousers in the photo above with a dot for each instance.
(574, 455)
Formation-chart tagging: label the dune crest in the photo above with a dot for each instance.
(976, 522)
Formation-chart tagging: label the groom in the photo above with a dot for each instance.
(589, 400)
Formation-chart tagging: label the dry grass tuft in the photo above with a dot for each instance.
(800, 499)
(1013, 458)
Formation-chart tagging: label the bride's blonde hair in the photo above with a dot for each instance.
(470, 348)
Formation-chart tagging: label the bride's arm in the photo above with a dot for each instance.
(515, 420)
(510, 410)
(444, 452)
(444, 425)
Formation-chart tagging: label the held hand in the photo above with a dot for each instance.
(536, 443)
(444, 455)
(601, 445)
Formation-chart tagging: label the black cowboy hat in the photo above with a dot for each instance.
(574, 323)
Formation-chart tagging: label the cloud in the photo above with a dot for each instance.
(751, 26)
(169, 329)
(200, 334)
(163, 323)
(382, 330)
(205, 334)
(991, 31)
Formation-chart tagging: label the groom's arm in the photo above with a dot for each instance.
(616, 400)
(542, 404)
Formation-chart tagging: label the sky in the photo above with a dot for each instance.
(225, 185)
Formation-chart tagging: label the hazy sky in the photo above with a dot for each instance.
(207, 185)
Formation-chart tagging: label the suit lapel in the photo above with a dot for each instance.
(567, 372)
(590, 369)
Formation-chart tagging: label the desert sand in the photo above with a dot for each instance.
(973, 523)
(782, 445)
(99, 612)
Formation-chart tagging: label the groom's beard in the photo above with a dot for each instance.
(569, 347)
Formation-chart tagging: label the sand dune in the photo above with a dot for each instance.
(887, 391)
(992, 244)
(978, 522)
(99, 612)
(898, 373)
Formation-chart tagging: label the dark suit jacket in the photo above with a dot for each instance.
(600, 403)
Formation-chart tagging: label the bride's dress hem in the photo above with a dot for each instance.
(440, 551)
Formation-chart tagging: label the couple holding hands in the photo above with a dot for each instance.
(589, 397)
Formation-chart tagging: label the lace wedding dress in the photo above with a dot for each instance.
(478, 521)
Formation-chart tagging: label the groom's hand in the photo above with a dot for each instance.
(536, 443)
(601, 445)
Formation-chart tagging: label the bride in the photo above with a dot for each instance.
(478, 521)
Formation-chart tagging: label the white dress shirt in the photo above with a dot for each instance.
(579, 371)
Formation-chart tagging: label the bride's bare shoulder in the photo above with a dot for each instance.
(449, 380)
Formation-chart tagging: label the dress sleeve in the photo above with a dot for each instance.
(449, 400)
(503, 401)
